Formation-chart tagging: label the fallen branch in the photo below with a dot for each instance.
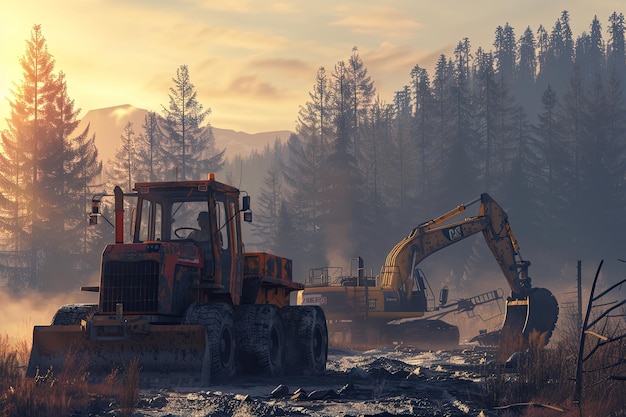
(536, 405)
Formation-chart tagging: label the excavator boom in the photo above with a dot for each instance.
(528, 309)
(431, 236)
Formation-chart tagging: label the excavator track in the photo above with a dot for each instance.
(423, 334)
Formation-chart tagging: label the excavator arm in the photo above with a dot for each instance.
(431, 236)
(400, 267)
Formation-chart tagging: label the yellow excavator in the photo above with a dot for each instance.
(394, 305)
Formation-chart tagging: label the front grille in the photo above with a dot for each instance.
(134, 284)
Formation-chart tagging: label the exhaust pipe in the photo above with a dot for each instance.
(119, 214)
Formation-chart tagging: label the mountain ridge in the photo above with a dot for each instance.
(108, 125)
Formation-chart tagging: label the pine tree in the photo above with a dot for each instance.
(44, 178)
(423, 131)
(459, 174)
(190, 147)
(404, 156)
(444, 85)
(363, 92)
(517, 189)
(123, 168)
(615, 159)
(527, 64)
(487, 99)
(79, 166)
(603, 163)
(542, 48)
(15, 260)
(304, 164)
(378, 179)
(552, 180)
(616, 49)
(303, 193)
(496, 119)
(270, 200)
(341, 213)
(151, 156)
(505, 54)
(291, 243)
(556, 55)
(575, 102)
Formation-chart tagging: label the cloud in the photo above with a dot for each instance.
(378, 20)
(285, 8)
(288, 66)
(250, 85)
(388, 56)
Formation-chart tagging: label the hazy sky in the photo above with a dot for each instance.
(253, 62)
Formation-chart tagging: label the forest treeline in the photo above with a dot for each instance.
(538, 121)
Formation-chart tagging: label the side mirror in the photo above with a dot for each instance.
(247, 216)
(245, 203)
(443, 296)
(95, 211)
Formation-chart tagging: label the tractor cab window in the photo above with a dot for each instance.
(150, 226)
(222, 224)
(233, 208)
(190, 220)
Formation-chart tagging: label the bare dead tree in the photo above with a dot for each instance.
(597, 327)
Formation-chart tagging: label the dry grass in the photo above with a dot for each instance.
(129, 389)
(67, 392)
(546, 377)
(9, 363)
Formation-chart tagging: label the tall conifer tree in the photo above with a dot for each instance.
(45, 177)
(151, 155)
(190, 144)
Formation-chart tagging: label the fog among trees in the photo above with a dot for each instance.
(537, 120)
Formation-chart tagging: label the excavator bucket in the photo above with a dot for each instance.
(543, 313)
(533, 317)
(164, 353)
(536, 314)
(515, 320)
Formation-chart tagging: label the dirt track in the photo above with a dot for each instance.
(382, 382)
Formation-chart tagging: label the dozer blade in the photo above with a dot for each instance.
(167, 351)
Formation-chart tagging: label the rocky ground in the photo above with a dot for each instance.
(380, 382)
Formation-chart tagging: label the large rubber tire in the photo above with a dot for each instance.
(219, 326)
(260, 339)
(72, 314)
(306, 337)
